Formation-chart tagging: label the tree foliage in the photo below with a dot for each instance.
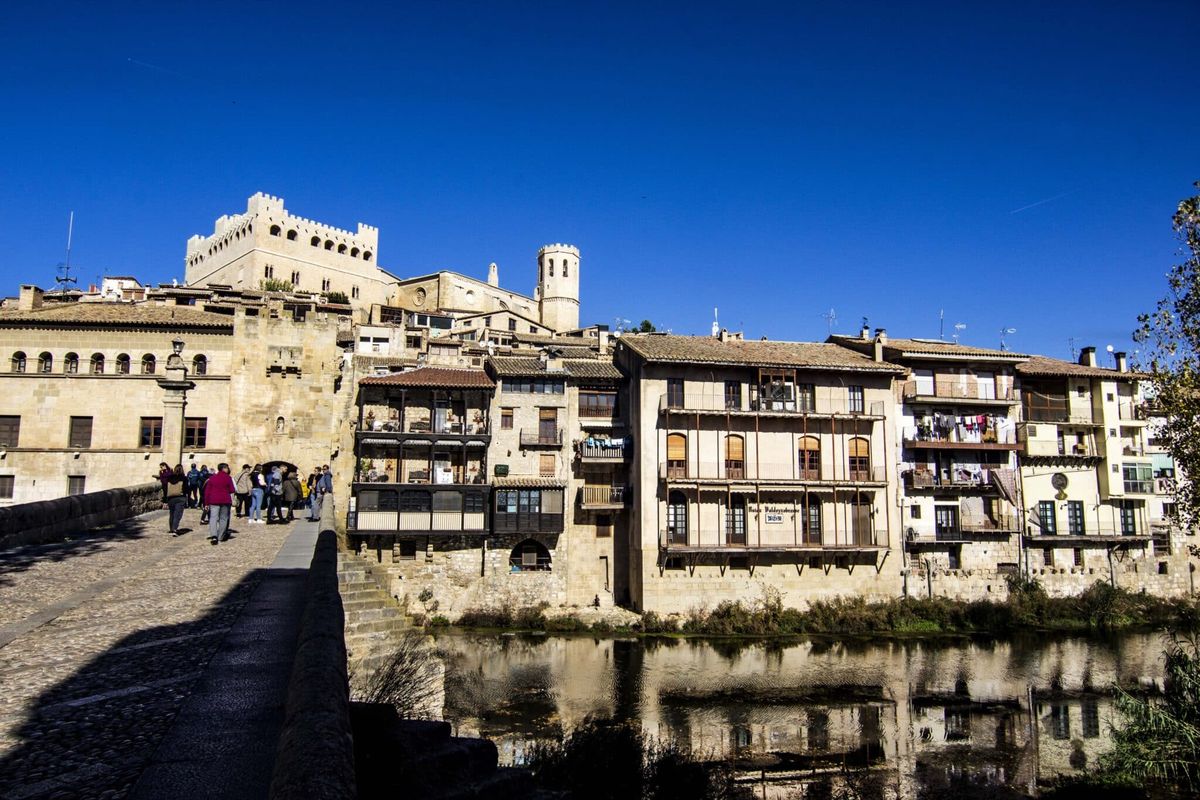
(1170, 339)
(274, 285)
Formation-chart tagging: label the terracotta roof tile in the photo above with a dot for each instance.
(115, 314)
(585, 368)
(898, 348)
(434, 377)
(666, 348)
(1038, 366)
(527, 481)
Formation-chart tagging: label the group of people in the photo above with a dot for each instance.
(276, 489)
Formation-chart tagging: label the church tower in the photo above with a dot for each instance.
(558, 286)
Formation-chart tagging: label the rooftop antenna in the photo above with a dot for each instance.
(830, 318)
(1005, 332)
(959, 327)
(64, 270)
(1109, 348)
(1074, 349)
(716, 329)
(942, 325)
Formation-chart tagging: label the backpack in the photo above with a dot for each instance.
(276, 485)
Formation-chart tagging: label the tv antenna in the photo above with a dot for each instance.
(830, 317)
(1005, 332)
(1109, 348)
(64, 269)
(1074, 350)
(942, 324)
(959, 327)
(716, 328)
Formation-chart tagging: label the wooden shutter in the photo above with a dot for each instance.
(676, 447)
(860, 447)
(734, 448)
(810, 443)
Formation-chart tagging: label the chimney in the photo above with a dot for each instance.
(1087, 356)
(723, 335)
(493, 274)
(865, 333)
(31, 297)
(1122, 362)
(881, 335)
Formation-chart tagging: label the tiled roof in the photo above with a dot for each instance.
(434, 377)
(928, 347)
(527, 482)
(1053, 367)
(670, 349)
(588, 368)
(115, 314)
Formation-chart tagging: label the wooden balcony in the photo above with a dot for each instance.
(719, 405)
(774, 474)
(612, 451)
(542, 438)
(602, 498)
(419, 509)
(955, 393)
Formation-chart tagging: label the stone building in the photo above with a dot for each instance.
(269, 243)
(759, 468)
(84, 406)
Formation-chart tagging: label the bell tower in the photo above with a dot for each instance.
(558, 286)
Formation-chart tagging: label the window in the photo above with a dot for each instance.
(810, 520)
(674, 393)
(945, 522)
(406, 549)
(506, 419)
(71, 364)
(1060, 722)
(275, 230)
(79, 434)
(354, 292)
(855, 394)
(512, 324)
(533, 386)
(603, 526)
(806, 397)
(1046, 517)
(735, 520)
(415, 500)
(268, 271)
(1077, 556)
(1075, 518)
(199, 365)
(565, 268)
(1139, 478)
(735, 456)
(76, 483)
(45, 362)
(860, 459)
(195, 433)
(733, 395)
(97, 364)
(148, 364)
(10, 431)
(329, 244)
(552, 268)
(548, 426)
(1091, 718)
(861, 519)
(291, 235)
(473, 502)
(123, 364)
(954, 555)
(777, 391)
(1048, 557)
(677, 518)
(296, 279)
(325, 284)
(597, 404)
(529, 556)
(18, 362)
(1128, 518)
(412, 342)
(676, 455)
(810, 458)
(546, 466)
(315, 241)
(150, 432)
(7, 483)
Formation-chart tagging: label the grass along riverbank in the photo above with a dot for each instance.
(1100, 609)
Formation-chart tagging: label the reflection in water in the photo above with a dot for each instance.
(896, 716)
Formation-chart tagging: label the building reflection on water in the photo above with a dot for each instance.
(802, 716)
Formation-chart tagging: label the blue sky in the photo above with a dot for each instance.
(1015, 165)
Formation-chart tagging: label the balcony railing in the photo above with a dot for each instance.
(1139, 487)
(602, 496)
(541, 438)
(1131, 410)
(777, 472)
(923, 479)
(819, 406)
(456, 428)
(772, 538)
(613, 450)
(954, 436)
(958, 391)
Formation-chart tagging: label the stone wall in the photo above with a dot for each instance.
(51, 520)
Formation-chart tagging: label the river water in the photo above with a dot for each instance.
(800, 718)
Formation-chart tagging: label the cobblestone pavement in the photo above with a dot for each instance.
(100, 645)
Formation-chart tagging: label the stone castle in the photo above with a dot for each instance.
(491, 451)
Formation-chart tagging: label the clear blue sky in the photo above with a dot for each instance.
(1015, 164)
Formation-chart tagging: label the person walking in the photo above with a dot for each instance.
(257, 488)
(291, 494)
(324, 486)
(275, 496)
(218, 499)
(193, 487)
(243, 485)
(313, 477)
(175, 497)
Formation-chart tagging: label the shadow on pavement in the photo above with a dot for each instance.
(79, 545)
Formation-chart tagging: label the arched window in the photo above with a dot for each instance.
(280, 424)
(367, 255)
(735, 456)
(97, 363)
(123, 364)
(341, 248)
(315, 241)
(291, 235)
(276, 230)
(677, 511)
(71, 364)
(529, 556)
(45, 362)
(18, 361)
(354, 252)
(148, 364)
(810, 458)
(860, 459)
(329, 244)
(677, 455)
(199, 365)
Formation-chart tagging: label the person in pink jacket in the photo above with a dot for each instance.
(218, 499)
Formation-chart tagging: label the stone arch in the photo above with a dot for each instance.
(148, 364)
(200, 365)
(123, 364)
(97, 364)
(315, 241)
(329, 244)
(354, 252)
(342, 248)
(45, 362)
(291, 235)
(367, 255)
(18, 361)
(71, 363)
(529, 555)
(276, 230)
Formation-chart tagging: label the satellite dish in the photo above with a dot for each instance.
(1109, 348)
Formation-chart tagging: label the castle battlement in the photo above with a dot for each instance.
(559, 248)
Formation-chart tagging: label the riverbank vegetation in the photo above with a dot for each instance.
(1100, 609)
